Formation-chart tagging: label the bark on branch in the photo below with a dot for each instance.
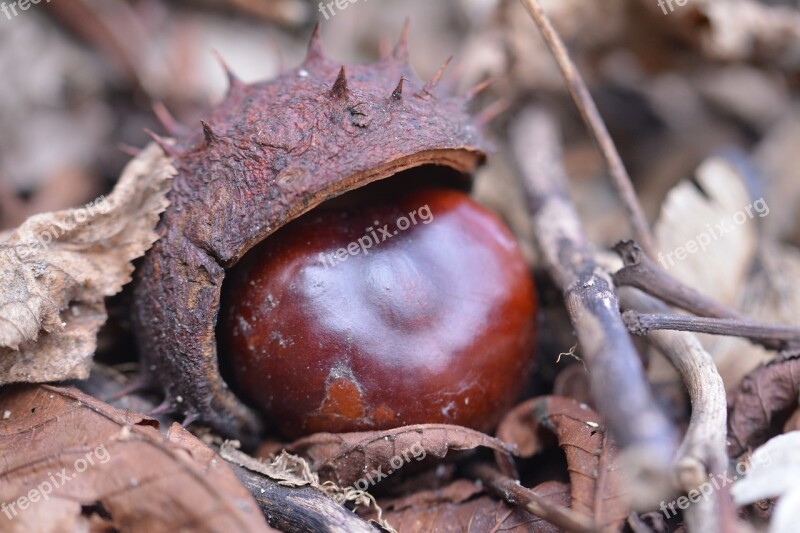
(622, 394)
(642, 273)
(774, 337)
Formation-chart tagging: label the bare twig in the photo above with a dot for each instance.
(775, 337)
(621, 392)
(702, 451)
(298, 509)
(514, 493)
(591, 116)
(644, 274)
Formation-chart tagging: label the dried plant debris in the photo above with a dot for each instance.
(707, 233)
(56, 269)
(460, 507)
(710, 237)
(597, 483)
(700, 98)
(369, 457)
(73, 463)
(746, 30)
(771, 295)
(762, 405)
(772, 472)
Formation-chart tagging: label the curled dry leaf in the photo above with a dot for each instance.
(71, 462)
(708, 237)
(699, 241)
(764, 402)
(56, 269)
(597, 482)
(773, 471)
(458, 507)
(345, 458)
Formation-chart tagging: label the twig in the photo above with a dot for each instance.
(617, 378)
(299, 509)
(703, 448)
(644, 274)
(591, 116)
(775, 337)
(514, 493)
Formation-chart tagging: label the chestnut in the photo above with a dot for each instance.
(415, 309)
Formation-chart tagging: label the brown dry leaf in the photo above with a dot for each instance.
(597, 482)
(764, 402)
(345, 458)
(57, 268)
(458, 491)
(71, 462)
(450, 509)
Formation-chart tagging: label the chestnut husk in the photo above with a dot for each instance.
(270, 152)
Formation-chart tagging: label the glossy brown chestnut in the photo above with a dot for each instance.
(417, 310)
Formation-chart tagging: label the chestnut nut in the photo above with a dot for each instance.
(415, 310)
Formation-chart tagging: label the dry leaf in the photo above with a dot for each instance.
(70, 461)
(718, 267)
(453, 509)
(347, 458)
(458, 491)
(771, 295)
(764, 402)
(723, 223)
(773, 471)
(56, 269)
(597, 483)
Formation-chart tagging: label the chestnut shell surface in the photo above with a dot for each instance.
(268, 153)
(429, 323)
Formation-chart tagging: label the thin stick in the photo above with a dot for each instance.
(702, 452)
(642, 273)
(514, 493)
(775, 337)
(591, 116)
(620, 389)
